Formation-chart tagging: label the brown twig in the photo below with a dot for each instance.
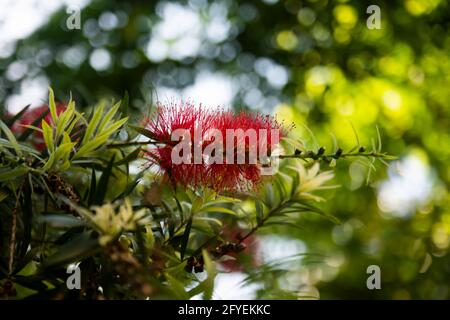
(12, 240)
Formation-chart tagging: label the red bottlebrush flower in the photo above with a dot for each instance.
(32, 115)
(168, 119)
(184, 174)
(175, 116)
(247, 175)
(250, 134)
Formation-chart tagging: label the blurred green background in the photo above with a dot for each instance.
(314, 63)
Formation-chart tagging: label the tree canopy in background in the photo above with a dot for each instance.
(310, 62)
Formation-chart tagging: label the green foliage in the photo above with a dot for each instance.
(57, 135)
(152, 237)
(341, 78)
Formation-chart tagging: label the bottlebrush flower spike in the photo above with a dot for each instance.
(175, 116)
(169, 118)
(228, 174)
(243, 176)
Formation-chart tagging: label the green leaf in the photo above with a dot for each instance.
(12, 174)
(358, 143)
(31, 282)
(74, 121)
(99, 140)
(93, 123)
(65, 119)
(130, 187)
(64, 150)
(11, 138)
(196, 205)
(295, 143)
(295, 184)
(27, 217)
(77, 249)
(49, 163)
(3, 195)
(52, 105)
(269, 195)
(18, 115)
(142, 131)
(379, 139)
(219, 201)
(5, 143)
(219, 209)
(60, 157)
(61, 220)
(211, 272)
(129, 158)
(102, 186)
(89, 147)
(48, 136)
(33, 126)
(313, 209)
(108, 116)
(283, 223)
(185, 238)
(177, 287)
(259, 212)
(92, 189)
(114, 127)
